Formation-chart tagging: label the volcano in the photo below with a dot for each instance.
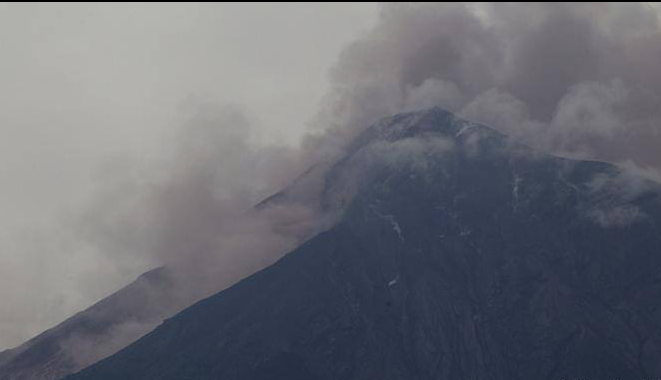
(457, 254)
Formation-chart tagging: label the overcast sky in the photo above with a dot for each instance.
(85, 88)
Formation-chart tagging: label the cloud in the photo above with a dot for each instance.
(100, 85)
(194, 210)
(578, 78)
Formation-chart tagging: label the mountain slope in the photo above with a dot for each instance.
(459, 255)
(102, 329)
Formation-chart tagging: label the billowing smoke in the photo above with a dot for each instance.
(581, 79)
(195, 214)
(195, 211)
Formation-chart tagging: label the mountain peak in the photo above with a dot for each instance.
(435, 121)
(465, 263)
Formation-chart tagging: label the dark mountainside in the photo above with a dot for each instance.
(459, 255)
(5, 355)
(102, 329)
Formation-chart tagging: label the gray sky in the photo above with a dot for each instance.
(88, 89)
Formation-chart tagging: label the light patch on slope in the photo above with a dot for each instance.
(465, 129)
(394, 281)
(515, 186)
(619, 216)
(390, 219)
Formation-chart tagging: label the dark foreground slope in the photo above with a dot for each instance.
(459, 256)
(97, 332)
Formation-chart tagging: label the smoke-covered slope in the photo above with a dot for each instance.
(95, 333)
(458, 256)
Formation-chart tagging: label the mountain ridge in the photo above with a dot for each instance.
(474, 258)
(47, 356)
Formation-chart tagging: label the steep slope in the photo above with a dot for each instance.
(5, 355)
(95, 333)
(459, 255)
(126, 315)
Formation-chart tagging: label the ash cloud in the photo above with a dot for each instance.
(84, 84)
(194, 211)
(574, 78)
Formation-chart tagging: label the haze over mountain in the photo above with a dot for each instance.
(95, 333)
(95, 98)
(459, 254)
(574, 79)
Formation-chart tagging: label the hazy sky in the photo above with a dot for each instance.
(85, 88)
